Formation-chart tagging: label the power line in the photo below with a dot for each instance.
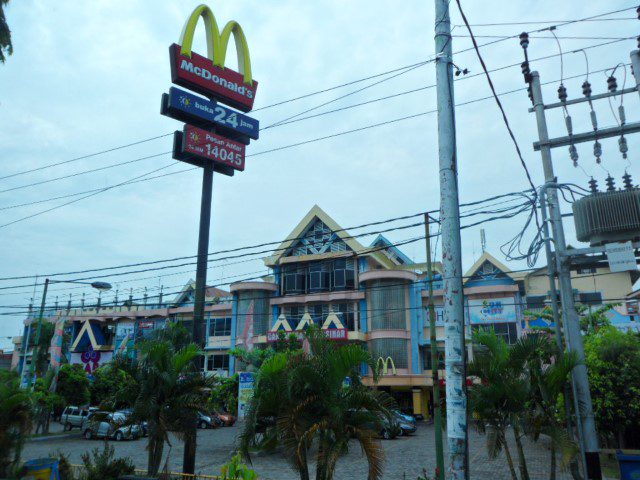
(495, 95)
(314, 116)
(398, 69)
(64, 177)
(137, 179)
(270, 251)
(539, 22)
(507, 198)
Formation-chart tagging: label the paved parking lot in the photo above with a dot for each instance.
(405, 456)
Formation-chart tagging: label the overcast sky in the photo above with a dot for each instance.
(88, 76)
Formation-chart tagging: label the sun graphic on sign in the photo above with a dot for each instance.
(185, 101)
(194, 136)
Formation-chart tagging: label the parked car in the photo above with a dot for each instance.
(206, 421)
(74, 416)
(386, 427)
(389, 427)
(144, 430)
(406, 423)
(226, 419)
(109, 425)
(405, 417)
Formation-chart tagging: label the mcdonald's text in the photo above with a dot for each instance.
(200, 75)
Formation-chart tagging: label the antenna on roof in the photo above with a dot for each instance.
(483, 240)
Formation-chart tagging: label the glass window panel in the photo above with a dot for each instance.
(396, 348)
(388, 306)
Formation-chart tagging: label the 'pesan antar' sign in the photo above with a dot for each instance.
(208, 75)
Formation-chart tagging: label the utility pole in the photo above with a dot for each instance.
(569, 315)
(32, 367)
(190, 443)
(456, 394)
(435, 389)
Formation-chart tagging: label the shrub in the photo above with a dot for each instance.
(100, 465)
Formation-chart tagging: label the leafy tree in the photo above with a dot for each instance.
(174, 332)
(73, 385)
(41, 348)
(590, 320)
(613, 365)
(300, 399)
(224, 396)
(169, 392)
(6, 47)
(16, 409)
(112, 387)
(45, 401)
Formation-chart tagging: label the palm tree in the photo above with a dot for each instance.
(5, 34)
(497, 402)
(169, 391)
(302, 399)
(16, 410)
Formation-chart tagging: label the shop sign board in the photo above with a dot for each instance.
(208, 75)
(190, 108)
(492, 310)
(245, 392)
(332, 334)
(200, 146)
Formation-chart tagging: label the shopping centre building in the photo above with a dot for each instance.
(374, 295)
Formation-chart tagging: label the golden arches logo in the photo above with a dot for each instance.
(217, 42)
(384, 363)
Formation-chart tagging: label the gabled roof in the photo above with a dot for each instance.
(487, 257)
(381, 240)
(316, 213)
(210, 293)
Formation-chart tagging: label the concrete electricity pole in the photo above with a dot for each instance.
(453, 297)
(569, 315)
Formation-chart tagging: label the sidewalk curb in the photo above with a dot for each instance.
(50, 437)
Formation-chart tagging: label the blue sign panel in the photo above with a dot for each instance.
(198, 111)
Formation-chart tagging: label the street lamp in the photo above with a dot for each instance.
(100, 286)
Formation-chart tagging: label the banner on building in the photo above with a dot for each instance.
(245, 392)
(492, 310)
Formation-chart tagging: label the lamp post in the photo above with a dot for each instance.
(100, 286)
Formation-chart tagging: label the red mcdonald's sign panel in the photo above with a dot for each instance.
(213, 147)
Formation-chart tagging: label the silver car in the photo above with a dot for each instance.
(109, 425)
(75, 416)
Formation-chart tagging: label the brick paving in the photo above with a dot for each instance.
(405, 456)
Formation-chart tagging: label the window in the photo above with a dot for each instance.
(345, 313)
(322, 276)
(508, 331)
(220, 327)
(426, 358)
(253, 306)
(535, 302)
(217, 362)
(396, 348)
(590, 298)
(388, 310)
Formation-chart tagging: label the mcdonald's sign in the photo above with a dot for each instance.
(208, 75)
(384, 363)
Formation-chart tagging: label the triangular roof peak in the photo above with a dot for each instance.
(316, 213)
(392, 251)
(487, 257)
